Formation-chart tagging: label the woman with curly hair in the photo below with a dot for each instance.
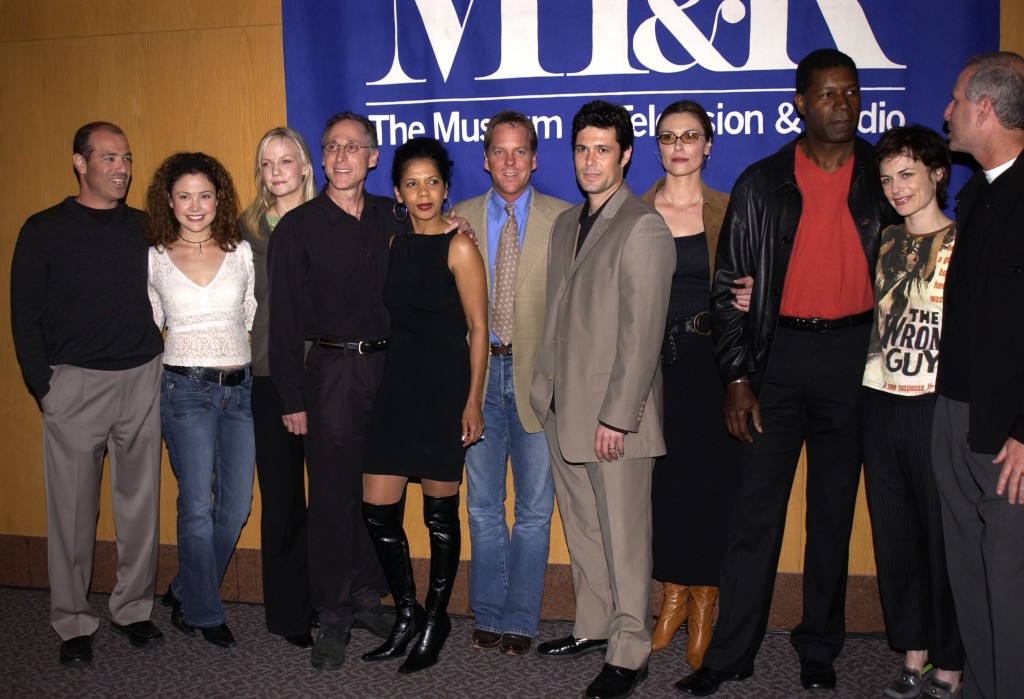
(283, 176)
(201, 281)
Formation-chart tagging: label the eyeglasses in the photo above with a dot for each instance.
(667, 138)
(350, 148)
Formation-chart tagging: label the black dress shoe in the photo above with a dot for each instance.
(178, 617)
(614, 682)
(141, 634)
(219, 636)
(706, 681)
(571, 647)
(817, 676)
(377, 621)
(76, 652)
(301, 640)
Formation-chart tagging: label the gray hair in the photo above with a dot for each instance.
(999, 75)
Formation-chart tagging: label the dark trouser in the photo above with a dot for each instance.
(812, 391)
(906, 524)
(344, 573)
(280, 465)
(984, 535)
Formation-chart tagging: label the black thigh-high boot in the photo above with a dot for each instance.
(385, 525)
(441, 516)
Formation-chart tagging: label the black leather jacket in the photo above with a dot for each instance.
(757, 240)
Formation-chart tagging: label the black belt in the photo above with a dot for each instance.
(699, 323)
(221, 377)
(501, 350)
(359, 347)
(824, 325)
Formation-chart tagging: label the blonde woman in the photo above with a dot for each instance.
(283, 175)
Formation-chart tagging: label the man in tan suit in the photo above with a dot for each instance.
(506, 582)
(597, 391)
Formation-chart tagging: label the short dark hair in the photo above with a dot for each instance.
(694, 109)
(921, 144)
(507, 117)
(82, 145)
(421, 148)
(820, 59)
(605, 115)
(999, 75)
(371, 130)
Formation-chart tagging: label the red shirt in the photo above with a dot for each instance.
(828, 274)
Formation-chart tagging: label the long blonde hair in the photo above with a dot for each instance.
(264, 199)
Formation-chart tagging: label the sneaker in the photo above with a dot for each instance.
(376, 620)
(329, 649)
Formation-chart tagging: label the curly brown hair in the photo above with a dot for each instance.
(162, 228)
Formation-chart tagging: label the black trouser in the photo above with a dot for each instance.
(812, 391)
(280, 465)
(906, 527)
(344, 573)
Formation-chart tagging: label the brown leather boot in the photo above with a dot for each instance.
(675, 605)
(698, 627)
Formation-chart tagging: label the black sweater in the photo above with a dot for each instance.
(78, 293)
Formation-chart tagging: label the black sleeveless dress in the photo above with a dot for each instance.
(417, 418)
(693, 485)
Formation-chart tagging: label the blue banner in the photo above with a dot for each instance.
(441, 67)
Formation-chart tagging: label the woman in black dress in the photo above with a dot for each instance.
(429, 407)
(692, 485)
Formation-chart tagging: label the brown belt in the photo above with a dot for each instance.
(501, 350)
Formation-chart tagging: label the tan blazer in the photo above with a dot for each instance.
(599, 356)
(713, 212)
(531, 284)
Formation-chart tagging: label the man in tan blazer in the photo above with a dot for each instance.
(597, 391)
(506, 582)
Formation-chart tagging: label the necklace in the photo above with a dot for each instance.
(684, 209)
(196, 242)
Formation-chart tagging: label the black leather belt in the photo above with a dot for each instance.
(359, 347)
(221, 377)
(698, 323)
(824, 325)
(501, 350)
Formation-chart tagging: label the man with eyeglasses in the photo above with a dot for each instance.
(327, 262)
(805, 224)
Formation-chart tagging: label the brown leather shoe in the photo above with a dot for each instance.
(698, 627)
(674, 610)
(512, 644)
(486, 639)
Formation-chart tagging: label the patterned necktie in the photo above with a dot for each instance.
(506, 262)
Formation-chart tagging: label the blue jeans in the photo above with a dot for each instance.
(209, 437)
(506, 582)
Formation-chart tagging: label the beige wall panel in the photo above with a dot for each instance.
(1011, 22)
(41, 111)
(132, 16)
(27, 20)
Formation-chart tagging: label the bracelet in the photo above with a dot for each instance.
(743, 380)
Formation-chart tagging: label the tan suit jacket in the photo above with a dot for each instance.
(599, 356)
(531, 285)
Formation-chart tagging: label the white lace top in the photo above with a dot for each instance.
(206, 325)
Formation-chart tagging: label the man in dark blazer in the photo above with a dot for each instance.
(978, 435)
(597, 391)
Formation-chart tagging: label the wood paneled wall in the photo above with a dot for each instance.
(175, 75)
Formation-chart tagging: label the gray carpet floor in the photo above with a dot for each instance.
(262, 665)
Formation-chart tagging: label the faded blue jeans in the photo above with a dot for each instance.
(506, 581)
(209, 437)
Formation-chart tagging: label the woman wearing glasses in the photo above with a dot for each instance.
(691, 490)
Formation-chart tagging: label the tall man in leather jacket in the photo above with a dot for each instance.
(805, 224)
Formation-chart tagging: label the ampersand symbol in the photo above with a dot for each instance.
(785, 124)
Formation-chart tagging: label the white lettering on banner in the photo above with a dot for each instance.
(453, 128)
(610, 41)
